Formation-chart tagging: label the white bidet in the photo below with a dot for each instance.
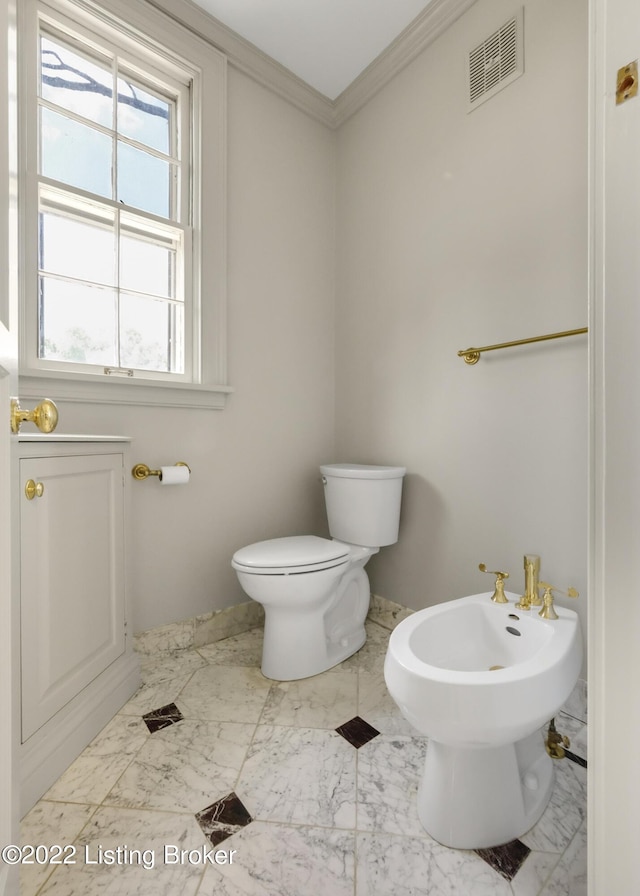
(480, 679)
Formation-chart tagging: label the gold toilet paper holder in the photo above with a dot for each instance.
(142, 471)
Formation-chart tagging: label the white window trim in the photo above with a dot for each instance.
(208, 389)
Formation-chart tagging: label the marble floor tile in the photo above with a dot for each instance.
(357, 732)
(282, 860)
(535, 871)
(371, 655)
(377, 706)
(162, 717)
(224, 694)
(389, 770)
(569, 877)
(301, 776)
(90, 778)
(49, 823)
(158, 693)
(257, 770)
(138, 841)
(414, 866)
(184, 767)
(323, 701)
(224, 818)
(164, 666)
(239, 650)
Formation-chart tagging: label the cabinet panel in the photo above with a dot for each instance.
(72, 568)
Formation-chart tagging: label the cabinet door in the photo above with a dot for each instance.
(72, 578)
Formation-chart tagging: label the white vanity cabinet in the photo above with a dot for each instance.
(77, 667)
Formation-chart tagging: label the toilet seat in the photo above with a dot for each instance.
(290, 556)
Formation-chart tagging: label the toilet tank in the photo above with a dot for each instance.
(363, 502)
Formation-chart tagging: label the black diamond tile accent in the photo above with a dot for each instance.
(574, 758)
(357, 732)
(223, 818)
(507, 859)
(163, 717)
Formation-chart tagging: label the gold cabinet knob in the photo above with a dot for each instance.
(33, 489)
(45, 415)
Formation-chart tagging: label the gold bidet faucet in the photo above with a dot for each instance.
(498, 596)
(531, 596)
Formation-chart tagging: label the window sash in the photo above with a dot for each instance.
(146, 37)
(173, 230)
(122, 227)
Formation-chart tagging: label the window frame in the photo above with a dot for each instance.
(140, 32)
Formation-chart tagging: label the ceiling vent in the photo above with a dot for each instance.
(497, 61)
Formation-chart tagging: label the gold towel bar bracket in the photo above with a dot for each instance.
(472, 355)
(142, 471)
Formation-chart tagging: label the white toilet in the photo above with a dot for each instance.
(314, 591)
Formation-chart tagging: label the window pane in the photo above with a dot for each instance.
(77, 249)
(143, 116)
(75, 82)
(75, 154)
(77, 323)
(151, 334)
(147, 267)
(143, 181)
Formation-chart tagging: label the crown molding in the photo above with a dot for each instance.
(245, 56)
(416, 37)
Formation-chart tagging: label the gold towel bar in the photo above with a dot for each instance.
(472, 355)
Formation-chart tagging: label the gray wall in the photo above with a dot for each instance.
(360, 261)
(254, 464)
(459, 229)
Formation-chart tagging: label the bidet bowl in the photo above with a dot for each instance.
(470, 672)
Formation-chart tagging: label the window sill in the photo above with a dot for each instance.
(88, 389)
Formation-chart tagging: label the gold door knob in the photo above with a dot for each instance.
(45, 415)
(33, 489)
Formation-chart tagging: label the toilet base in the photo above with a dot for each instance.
(306, 642)
(479, 797)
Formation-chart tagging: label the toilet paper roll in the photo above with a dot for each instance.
(176, 475)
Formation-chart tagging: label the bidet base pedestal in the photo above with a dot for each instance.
(478, 797)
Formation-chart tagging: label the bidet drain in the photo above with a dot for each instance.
(513, 631)
(495, 668)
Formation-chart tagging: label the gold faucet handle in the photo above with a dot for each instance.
(498, 597)
(570, 592)
(492, 572)
(548, 611)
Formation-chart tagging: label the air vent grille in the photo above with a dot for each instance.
(496, 62)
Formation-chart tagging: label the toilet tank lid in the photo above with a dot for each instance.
(296, 550)
(362, 471)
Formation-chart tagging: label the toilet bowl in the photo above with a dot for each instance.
(480, 680)
(315, 591)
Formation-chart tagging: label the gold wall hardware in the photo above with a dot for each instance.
(498, 596)
(33, 489)
(548, 610)
(142, 471)
(45, 415)
(627, 82)
(472, 355)
(555, 742)
(531, 596)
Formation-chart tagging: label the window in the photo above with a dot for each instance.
(116, 289)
